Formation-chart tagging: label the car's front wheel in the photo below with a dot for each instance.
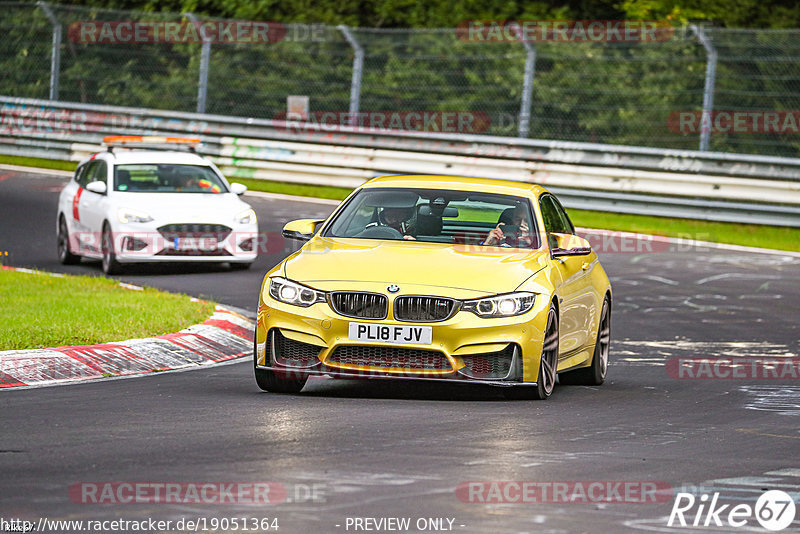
(546, 380)
(270, 381)
(595, 374)
(65, 255)
(110, 263)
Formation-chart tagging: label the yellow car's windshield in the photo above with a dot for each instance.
(438, 216)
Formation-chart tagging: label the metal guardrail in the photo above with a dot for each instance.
(700, 185)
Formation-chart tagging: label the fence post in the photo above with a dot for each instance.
(527, 89)
(205, 57)
(708, 89)
(55, 52)
(358, 65)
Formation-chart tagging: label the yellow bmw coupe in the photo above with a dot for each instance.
(437, 278)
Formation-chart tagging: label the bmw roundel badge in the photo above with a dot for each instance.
(393, 288)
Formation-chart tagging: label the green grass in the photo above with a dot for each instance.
(41, 311)
(39, 162)
(753, 235)
(302, 190)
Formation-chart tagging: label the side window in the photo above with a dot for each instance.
(555, 219)
(98, 172)
(81, 174)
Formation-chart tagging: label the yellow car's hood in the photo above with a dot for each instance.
(483, 270)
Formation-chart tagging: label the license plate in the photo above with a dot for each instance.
(419, 335)
(195, 243)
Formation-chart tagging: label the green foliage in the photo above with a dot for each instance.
(616, 93)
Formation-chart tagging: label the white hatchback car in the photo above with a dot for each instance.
(150, 205)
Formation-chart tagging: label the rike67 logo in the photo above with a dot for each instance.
(774, 510)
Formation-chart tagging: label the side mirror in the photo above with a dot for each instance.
(97, 187)
(238, 189)
(568, 245)
(301, 229)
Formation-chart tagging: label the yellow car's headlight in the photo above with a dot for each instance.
(506, 305)
(289, 292)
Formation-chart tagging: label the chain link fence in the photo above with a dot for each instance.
(631, 93)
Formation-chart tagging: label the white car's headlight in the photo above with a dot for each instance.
(290, 292)
(506, 305)
(246, 217)
(127, 215)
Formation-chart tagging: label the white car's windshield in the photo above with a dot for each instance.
(439, 216)
(167, 178)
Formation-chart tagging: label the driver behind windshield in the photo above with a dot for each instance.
(398, 219)
(516, 223)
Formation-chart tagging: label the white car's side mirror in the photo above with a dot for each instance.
(97, 187)
(238, 189)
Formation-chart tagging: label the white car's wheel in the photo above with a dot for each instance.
(110, 263)
(65, 255)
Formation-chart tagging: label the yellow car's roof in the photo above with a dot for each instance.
(461, 183)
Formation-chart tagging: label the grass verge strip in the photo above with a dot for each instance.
(41, 310)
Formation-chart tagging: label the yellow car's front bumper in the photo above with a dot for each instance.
(464, 347)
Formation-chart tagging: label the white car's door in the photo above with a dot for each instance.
(91, 206)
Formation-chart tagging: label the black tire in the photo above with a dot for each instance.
(595, 374)
(65, 255)
(269, 381)
(109, 262)
(236, 266)
(546, 380)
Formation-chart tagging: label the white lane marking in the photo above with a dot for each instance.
(784, 400)
(741, 276)
(662, 280)
(131, 286)
(36, 170)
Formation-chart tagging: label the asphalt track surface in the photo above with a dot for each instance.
(381, 449)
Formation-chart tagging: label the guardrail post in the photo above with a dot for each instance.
(527, 89)
(55, 51)
(205, 57)
(358, 66)
(708, 89)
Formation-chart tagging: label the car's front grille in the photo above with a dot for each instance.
(389, 357)
(492, 365)
(291, 353)
(196, 230)
(423, 309)
(360, 305)
(193, 252)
